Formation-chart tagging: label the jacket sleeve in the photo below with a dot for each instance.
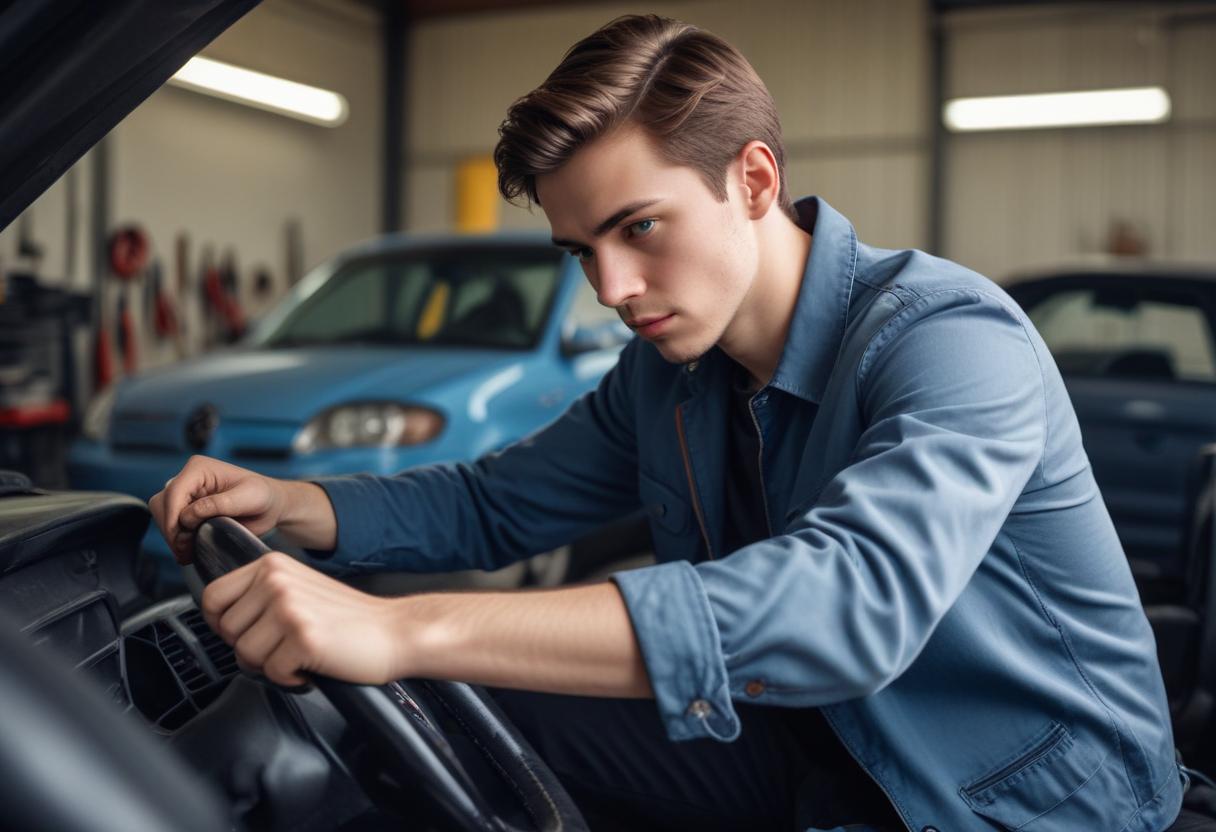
(843, 601)
(570, 477)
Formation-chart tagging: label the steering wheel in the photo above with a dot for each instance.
(389, 716)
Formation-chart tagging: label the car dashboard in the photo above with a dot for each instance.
(68, 581)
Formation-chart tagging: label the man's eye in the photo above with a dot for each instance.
(581, 254)
(641, 228)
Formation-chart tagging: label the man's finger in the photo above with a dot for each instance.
(177, 495)
(285, 664)
(244, 614)
(255, 644)
(223, 592)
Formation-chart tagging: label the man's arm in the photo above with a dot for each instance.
(286, 619)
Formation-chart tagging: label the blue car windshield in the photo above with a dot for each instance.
(498, 298)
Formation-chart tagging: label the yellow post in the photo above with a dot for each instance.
(477, 195)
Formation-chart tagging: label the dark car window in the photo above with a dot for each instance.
(1119, 333)
(476, 298)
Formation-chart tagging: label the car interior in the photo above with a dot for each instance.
(152, 704)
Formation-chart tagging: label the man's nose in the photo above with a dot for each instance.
(618, 281)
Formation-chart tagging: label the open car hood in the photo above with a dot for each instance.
(72, 69)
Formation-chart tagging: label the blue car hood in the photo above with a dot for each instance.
(294, 384)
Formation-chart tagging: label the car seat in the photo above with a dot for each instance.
(1142, 363)
(500, 318)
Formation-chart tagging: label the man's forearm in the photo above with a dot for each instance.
(573, 640)
(308, 518)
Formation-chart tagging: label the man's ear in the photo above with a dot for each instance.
(759, 177)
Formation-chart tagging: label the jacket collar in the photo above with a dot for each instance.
(817, 328)
(820, 313)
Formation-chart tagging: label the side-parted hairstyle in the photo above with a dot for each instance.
(691, 91)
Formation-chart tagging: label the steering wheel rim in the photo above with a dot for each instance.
(390, 718)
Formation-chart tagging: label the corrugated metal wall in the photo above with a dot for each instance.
(1016, 200)
(850, 81)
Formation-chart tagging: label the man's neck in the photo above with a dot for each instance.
(757, 335)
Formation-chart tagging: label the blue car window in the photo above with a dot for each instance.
(475, 297)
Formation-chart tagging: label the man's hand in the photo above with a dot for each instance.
(207, 488)
(286, 619)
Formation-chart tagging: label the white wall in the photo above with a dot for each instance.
(849, 79)
(1022, 199)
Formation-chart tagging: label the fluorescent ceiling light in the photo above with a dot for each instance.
(266, 92)
(1140, 105)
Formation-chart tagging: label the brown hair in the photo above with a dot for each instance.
(692, 91)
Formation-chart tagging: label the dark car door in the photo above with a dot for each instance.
(1138, 356)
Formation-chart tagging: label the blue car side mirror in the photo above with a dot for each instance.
(600, 335)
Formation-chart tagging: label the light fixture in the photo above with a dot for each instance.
(266, 92)
(1137, 105)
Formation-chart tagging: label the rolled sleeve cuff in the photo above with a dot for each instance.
(355, 501)
(682, 650)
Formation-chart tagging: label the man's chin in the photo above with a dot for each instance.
(675, 353)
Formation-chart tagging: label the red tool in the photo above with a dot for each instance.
(126, 336)
(128, 251)
(165, 317)
(234, 313)
(184, 300)
(103, 360)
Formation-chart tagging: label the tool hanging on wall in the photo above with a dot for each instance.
(164, 316)
(263, 285)
(129, 249)
(185, 300)
(234, 312)
(103, 358)
(145, 314)
(126, 334)
(127, 253)
(293, 239)
(213, 300)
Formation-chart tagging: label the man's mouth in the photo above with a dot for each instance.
(649, 326)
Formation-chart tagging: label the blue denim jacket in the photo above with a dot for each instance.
(942, 577)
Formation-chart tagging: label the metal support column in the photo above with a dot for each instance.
(939, 136)
(396, 42)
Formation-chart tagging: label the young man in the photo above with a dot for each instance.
(883, 562)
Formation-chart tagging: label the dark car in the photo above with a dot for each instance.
(1136, 344)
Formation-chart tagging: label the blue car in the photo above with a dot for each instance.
(400, 352)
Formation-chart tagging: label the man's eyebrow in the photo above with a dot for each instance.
(608, 224)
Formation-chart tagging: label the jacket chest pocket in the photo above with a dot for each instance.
(671, 521)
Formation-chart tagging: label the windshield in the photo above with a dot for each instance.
(474, 297)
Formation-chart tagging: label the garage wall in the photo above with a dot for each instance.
(850, 81)
(1022, 199)
(231, 175)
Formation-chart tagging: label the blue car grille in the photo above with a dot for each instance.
(147, 432)
(241, 438)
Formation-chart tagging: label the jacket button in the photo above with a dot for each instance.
(700, 709)
(691, 366)
(658, 510)
(928, 829)
(754, 688)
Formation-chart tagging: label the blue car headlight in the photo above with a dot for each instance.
(368, 425)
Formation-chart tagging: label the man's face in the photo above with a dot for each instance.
(653, 240)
